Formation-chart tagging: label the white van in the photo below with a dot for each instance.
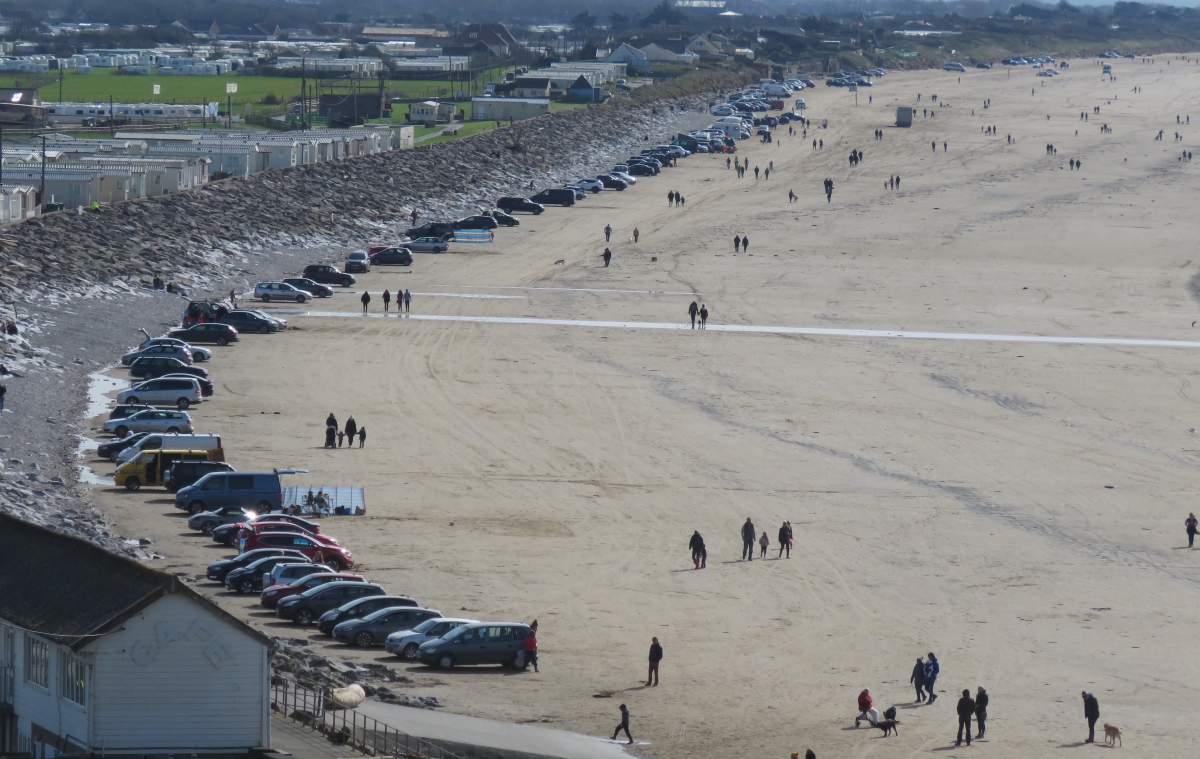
(954, 66)
(179, 442)
(778, 90)
(180, 392)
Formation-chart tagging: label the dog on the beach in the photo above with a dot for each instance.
(560, 262)
(888, 726)
(1112, 735)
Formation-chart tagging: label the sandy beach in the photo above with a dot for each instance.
(547, 445)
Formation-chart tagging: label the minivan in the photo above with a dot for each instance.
(260, 490)
(556, 196)
(953, 66)
(479, 643)
(147, 467)
(164, 391)
(188, 442)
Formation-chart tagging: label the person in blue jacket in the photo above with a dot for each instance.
(932, 670)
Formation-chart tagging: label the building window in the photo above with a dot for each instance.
(37, 661)
(72, 678)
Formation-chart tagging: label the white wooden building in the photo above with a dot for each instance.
(100, 655)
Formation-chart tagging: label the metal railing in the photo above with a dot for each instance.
(347, 727)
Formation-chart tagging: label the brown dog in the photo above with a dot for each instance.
(888, 726)
(1112, 734)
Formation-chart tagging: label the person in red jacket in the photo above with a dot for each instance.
(530, 649)
(869, 712)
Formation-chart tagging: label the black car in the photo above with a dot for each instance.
(312, 603)
(328, 275)
(244, 321)
(125, 410)
(149, 368)
(641, 170)
(206, 385)
(249, 579)
(612, 183)
(221, 334)
(307, 285)
(110, 449)
(357, 609)
(184, 473)
(432, 229)
(219, 569)
(504, 219)
(373, 629)
(509, 205)
(398, 256)
(476, 222)
(560, 197)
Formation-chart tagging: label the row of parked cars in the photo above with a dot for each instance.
(857, 78)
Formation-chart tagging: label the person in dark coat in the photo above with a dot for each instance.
(387, 299)
(981, 702)
(656, 655)
(624, 725)
(692, 311)
(366, 301)
(918, 679)
(699, 554)
(785, 540)
(331, 428)
(966, 710)
(748, 535)
(1190, 524)
(351, 429)
(932, 670)
(1091, 710)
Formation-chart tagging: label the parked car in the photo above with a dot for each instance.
(113, 448)
(149, 367)
(304, 608)
(641, 170)
(624, 176)
(206, 385)
(177, 391)
(209, 332)
(432, 229)
(207, 443)
(151, 420)
(611, 182)
(511, 205)
(219, 569)
(428, 245)
(185, 473)
(327, 275)
(245, 321)
(249, 579)
(359, 608)
(478, 643)
(273, 594)
(227, 533)
(168, 350)
(288, 574)
(316, 288)
(373, 629)
(503, 219)
(393, 257)
(335, 557)
(260, 491)
(476, 222)
(258, 527)
(407, 643)
(358, 261)
(269, 291)
(198, 353)
(983, 65)
(579, 192)
(207, 521)
(122, 410)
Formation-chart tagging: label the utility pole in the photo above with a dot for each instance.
(229, 111)
(1, 155)
(42, 194)
(112, 127)
(303, 93)
(60, 80)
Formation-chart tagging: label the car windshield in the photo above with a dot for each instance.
(424, 626)
(381, 613)
(456, 632)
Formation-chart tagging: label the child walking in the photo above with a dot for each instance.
(763, 542)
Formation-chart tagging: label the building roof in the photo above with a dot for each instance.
(527, 82)
(534, 101)
(69, 590)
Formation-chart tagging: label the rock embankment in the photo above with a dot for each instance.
(209, 231)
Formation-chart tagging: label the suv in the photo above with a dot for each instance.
(249, 579)
(478, 643)
(273, 594)
(184, 473)
(227, 533)
(311, 604)
(476, 222)
(398, 256)
(175, 391)
(373, 629)
(308, 286)
(358, 261)
(358, 609)
(246, 321)
(511, 205)
(335, 557)
(257, 527)
(290, 574)
(209, 332)
(219, 569)
(560, 197)
(261, 491)
(327, 275)
(431, 229)
(269, 291)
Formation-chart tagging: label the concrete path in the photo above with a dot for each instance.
(455, 728)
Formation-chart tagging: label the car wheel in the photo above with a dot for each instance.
(333, 564)
(364, 640)
(262, 507)
(121, 431)
(264, 329)
(132, 399)
(266, 298)
(301, 299)
(324, 295)
(173, 430)
(445, 661)
(183, 404)
(519, 663)
(245, 586)
(132, 483)
(208, 527)
(195, 507)
(346, 283)
(304, 617)
(412, 651)
(222, 340)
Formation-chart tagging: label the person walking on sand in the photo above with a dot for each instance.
(785, 540)
(703, 316)
(966, 710)
(932, 670)
(981, 702)
(636, 234)
(362, 436)
(917, 678)
(607, 257)
(341, 437)
(407, 300)
(529, 646)
(1190, 524)
(351, 431)
(748, 534)
(791, 196)
(656, 655)
(387, 299)
(763, 542)
(866, 708)
(670, 198)
(1091, 711)
(607, 233)
(699, 555)
(624, 725)
(692, 311)
(737, 242)
(745, 243)
(366, 301)
(756, 172)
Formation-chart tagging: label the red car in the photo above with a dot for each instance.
(314, 547)
(271, 595)
(261, 527)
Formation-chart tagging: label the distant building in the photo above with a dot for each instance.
(21, 106)
(531, 87)
(351, 109)
(705, 48)
(17, 202)
(655, 53)
(508, 109)
(432, 111)
(635, 60)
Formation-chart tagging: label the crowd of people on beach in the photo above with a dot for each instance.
(403, 301)
(334, 436)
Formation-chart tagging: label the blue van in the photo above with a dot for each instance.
(260, 491)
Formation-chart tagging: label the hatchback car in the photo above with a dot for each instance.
(358, 261)
(333, 556)
(373, 629)
(122, 410)
(478, 643)
(476, 222)
(269, 291)
(440, 229)
(306, 607)
(316, 288)
(328, 275)
(503, 219)
(176, 391)
(398, 256)
(152, 420)
(219, 569)
(267, 523)
(149, 367)
(227, 533)
(198, 353)
(611, 182)
(245, 321)
(509, 205)
(207, 521)
(209, 332)
(407, 643)
(273, 594)
(359, 608)
(428, 245)
(249, 579)
(176, 350)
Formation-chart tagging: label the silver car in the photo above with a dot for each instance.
(269, 291)
(164, 350)
(198, 353)
(407, 643)
(428, 245)
(152, 420)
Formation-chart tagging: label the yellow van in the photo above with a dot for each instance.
(147, 467)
